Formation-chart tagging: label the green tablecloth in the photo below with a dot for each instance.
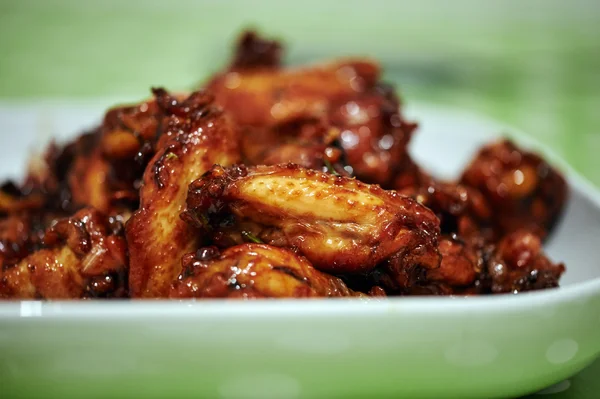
(533, 64)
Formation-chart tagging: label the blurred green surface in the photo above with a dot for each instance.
(532, 64)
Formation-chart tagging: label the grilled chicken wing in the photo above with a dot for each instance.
(253, 271)
(345, 95)
(522, 189)
(84, 256)
(197, 136)
(339, 224)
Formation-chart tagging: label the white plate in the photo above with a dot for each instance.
(402, 347)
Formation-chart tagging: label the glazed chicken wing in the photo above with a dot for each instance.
(102, 168)
(84, 256)
(253, 271)
(462, 210)
(197, 136)
(522, 189)
(344, 94)
(339, 224)
(309, 143)
(518, 264)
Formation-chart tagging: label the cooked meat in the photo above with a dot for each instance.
(523, 190)
(198, 135)
(253, 271)
(346, 95)
(84, 256)
(272, 182)
(339, 224)
(462, 210)
(309, 143)
(518, 264)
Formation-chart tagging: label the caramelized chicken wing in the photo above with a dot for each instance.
(462, 210)
(253, 271)
(197, 136)
(522, 189)
(309, 143)
(269, 97)
(518, 264)
(253, 51)
(339, 224)
(84, 256)
(346, 95)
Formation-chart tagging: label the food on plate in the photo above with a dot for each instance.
(273, 182)
(339, 224)
(197, 135)
(84, 256)
(253, 271)
(346, 95)
(522, 189)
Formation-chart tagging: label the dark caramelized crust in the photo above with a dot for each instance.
(345, 95)
(198, 135)
(521, 188)
(84, 256)
(253, 51)
(518, 264)
(269, 97)
(102, 168)
(374, 134)
(310, 143)
(253, 271)
(462, 210)
(339, 224)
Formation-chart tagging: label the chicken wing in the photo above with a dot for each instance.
(519, 264)
(84, 256)
(197, 136)
(339, 224)
(253, 271)
(309, 143)
(462, 210)
(524, 192)
(253, 51)
(344, 94)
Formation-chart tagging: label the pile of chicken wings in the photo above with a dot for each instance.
(273, 182)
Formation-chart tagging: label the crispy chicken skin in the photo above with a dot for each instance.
(197, 136)
(253, 271)
(339, 224)
(84, 256)
(522, 189)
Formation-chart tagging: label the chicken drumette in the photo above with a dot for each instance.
(339, 224)
(197, 136)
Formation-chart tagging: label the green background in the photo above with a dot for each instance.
(532, 64)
